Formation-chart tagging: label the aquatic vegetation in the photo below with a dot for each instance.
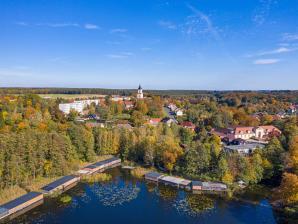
(113, 195)
(193, 205)
(97, 177)
(167, 192)
(65, 199)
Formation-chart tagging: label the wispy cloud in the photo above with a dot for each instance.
(266, 61)
(167, 24)
(262, 12)
(58, 25)
(118, 30)
(200, 23)
(21, 23)
(290, 36)
(90, 26)
(279, 50)
(120, 55)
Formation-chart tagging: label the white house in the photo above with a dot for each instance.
(76, 105)
(172, 107)
(179, 112)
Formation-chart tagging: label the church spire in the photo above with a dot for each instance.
(140, 92)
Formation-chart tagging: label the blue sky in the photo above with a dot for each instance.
(202, 44)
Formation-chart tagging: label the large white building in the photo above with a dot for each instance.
(140, 93)
(76, 105)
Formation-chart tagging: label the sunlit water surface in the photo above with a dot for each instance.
(127, 200)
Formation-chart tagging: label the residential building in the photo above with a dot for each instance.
(172, 107)
(188, 125)
(244, 149)
(169, 121)
(128, 105)
(77, 106)
(259, 132)
(154, 121)
(179, 112)
(117, 98)
(292, 109)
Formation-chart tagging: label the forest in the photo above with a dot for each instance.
(37, 140)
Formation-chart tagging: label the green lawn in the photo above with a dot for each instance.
(69, 96)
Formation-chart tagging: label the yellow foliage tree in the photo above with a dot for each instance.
(227, 178)
(288, 190)
(293, 151)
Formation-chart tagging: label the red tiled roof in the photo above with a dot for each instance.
(128, 103)
(270, 128)
(155, 120)
(187, 124)
(243, 129)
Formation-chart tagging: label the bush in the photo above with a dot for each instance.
(65, 199)
(138, 172)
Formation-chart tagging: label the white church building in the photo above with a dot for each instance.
(140, 93)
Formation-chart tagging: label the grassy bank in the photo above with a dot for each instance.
(16, 191)
(97, 177)
(139, 172)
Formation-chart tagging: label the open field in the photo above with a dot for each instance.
(71, 96)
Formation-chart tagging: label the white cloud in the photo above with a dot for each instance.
(262, 12)
(167, 24)
(22, 23)
(267, 61)
(120, 55)
(90, 26)
(290, 37)
(272, 52)
(118, 30)
(58, 25)
(200, 23)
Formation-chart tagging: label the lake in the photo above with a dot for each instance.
(125, 199)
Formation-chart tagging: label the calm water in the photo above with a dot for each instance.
(126, 200)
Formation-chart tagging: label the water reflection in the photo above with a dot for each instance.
(167, 193)
(125, 199)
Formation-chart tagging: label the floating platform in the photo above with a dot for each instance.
(61, 184)
(20, 205)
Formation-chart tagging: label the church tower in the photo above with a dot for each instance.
(140, 93)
